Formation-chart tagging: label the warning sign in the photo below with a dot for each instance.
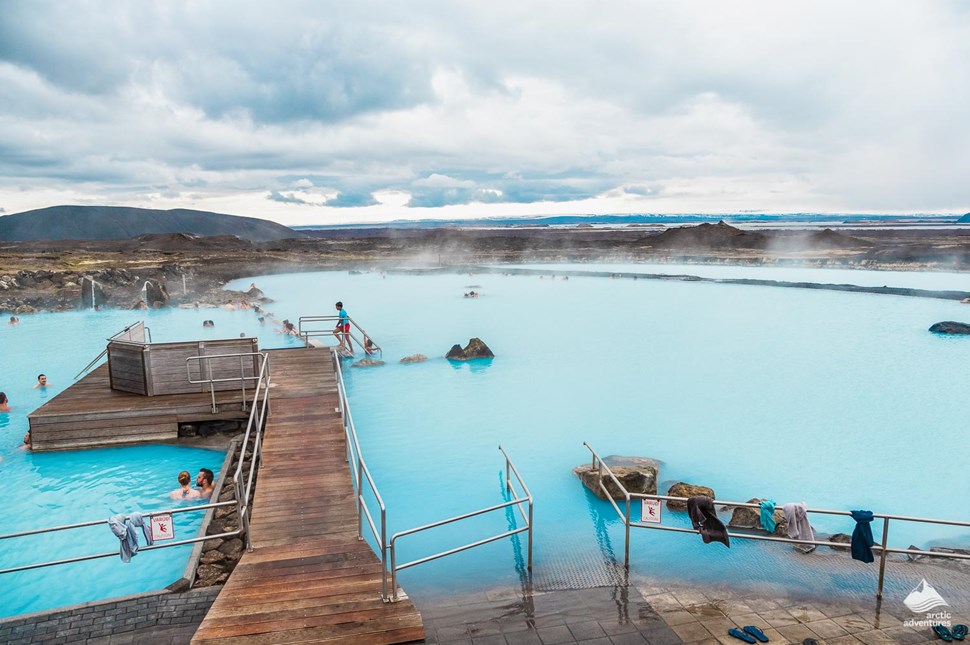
(162, 528)
(651, 511)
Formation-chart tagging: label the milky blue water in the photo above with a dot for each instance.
(50, 489)
(839, 400)
(836, 399)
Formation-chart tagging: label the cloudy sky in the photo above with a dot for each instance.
(329, 112)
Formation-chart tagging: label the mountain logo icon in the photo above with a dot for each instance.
(924, 598)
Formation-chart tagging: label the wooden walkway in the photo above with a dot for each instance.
(309, 578)
(89, 414)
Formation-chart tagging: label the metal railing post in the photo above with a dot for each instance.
(882, 557)
(360, 499)
(530, 535)
(393, 573)
(212, 386)
(384, 555)
(626, 547)
(242, 506)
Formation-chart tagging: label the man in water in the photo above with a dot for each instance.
(204, 482)
(41, 382)
(342, 330)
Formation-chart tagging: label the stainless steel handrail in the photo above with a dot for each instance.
(64, 527)
(257, 418)
(516, 501)
(882, 548)
(306, 334)
(242, 378)
(361, 472)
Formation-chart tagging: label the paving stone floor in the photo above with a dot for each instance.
(647, 613)
(637, 612)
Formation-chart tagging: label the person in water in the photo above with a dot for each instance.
(204, 482)
(41, 382)
(185, 490)
(3, 403)
(14, 320)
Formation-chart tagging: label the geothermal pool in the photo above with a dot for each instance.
(839, 400)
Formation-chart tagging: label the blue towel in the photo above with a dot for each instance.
(768, 515)
(862, 536)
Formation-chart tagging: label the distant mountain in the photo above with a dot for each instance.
(119, 222)
(964, 220)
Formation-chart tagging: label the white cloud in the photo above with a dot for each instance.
(437, 109)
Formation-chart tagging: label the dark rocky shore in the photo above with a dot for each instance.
(50, 276)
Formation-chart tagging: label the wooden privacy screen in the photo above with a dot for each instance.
(161, 368)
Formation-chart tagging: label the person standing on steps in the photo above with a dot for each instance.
(342, 330)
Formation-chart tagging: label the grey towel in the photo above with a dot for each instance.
(798, 525)
(125, 532)
(704, 518)
(138, 520)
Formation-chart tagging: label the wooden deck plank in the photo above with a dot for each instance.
(309, 578)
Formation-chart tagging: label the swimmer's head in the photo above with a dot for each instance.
(3, 398)
(185, 478)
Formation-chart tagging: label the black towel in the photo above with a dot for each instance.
(862, 536)
(704, 518)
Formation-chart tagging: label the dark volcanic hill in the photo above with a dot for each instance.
(118, 222)
(709, 236)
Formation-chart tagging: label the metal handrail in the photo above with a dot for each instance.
(52, 529)
(257, 417)
(358, 468)
(242, 378)
(516, 501)
(360, 472)
(882, 548)
(306, 334)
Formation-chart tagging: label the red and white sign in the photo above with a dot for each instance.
(162, 528)
(651, 511)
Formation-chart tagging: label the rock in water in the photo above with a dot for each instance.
(680, 489)
(637, 474)
(950, 327)
(367, 362)
(156, 295)
(92, 298)
(475, 349)
(750, 518)
(417, 358)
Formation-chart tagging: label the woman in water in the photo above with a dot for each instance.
(3, 403)
(185, 490)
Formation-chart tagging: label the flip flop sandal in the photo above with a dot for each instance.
(741, 635)
(756, 632)
(943, 632)
(959, 632)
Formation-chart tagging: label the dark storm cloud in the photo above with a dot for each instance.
(223, 58)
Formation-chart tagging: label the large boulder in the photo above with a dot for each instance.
(156, 295)
(92, 294)
(475, 349)
(950, 327)
(750, 518)
(415, 358)
(680, 489)
(637, 474)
